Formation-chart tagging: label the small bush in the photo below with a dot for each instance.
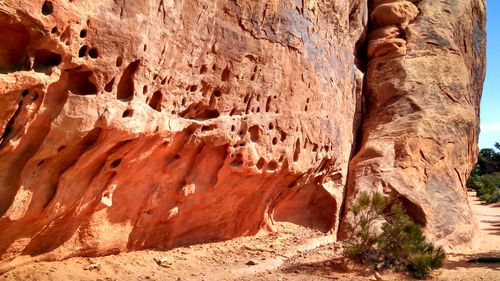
(400, 244)
(487, 187)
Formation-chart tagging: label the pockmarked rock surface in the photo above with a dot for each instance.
(156, 124)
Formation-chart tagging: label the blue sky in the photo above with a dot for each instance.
(490, 103)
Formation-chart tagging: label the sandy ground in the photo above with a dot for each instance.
(295, 253)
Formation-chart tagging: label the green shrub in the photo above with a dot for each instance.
(401, 244)
(487, 187)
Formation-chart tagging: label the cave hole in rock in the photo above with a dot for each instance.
(271, 126)
(66, 36)
(193, 88)
(145, 89)
(34, 96)
(47, 8)
(203, 69)
(126, 85)
(83, 33)
(119, 61)
(272, 165)
(261, 163)
(116, 163)
(268, 104)
(109, 86)
(15, 39)
(225, 74)
(25, 92)
(61, 148)
(93, 53)
(296, 151)
(45, 59)
(54, 30)
(238, 161)
(79, 83)
(233, 128)
(206, 128)
(254, 133)
(275, 141)
(156, 100)
(199, 111)
(217, 92)
(128, 113)
(83, 51)
(413, 211)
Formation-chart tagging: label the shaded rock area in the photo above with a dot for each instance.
(156, 124)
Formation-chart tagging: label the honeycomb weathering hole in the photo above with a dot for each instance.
(45, 59)
(126, 84)
(13, 51)
(155, 101)
(47, 8)
(79, 83)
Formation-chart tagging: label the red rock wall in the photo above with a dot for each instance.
(137, 124)
(141, 124)
(423, 86)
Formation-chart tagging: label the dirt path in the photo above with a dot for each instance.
(296, 253)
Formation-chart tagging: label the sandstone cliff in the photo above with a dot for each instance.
(140, 124)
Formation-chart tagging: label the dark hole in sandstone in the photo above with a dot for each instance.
(199, 111)
(109, 87)
(126, 84)
(225, 74)
(193, 88)
(155, 101)
(413, 211)
(261, 163)
(128, 113)
(272, 165)
(25, 92)
(47, 8)
(217, 93)
(296, 151)
(238, 161)
(79, 83)
(93, 53)
(254, 133)
(83, 33)
(54, 30)
(119, 61)
(83, 51)
(45, 59)
(203, 69)
(15, 39)
(116, 163)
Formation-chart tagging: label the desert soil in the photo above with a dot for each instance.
(293, 253)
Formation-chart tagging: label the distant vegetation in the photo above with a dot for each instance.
(485, 178)
(379, 233)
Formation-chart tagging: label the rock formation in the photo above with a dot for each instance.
(156, 124)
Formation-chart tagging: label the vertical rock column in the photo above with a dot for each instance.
(424, 80)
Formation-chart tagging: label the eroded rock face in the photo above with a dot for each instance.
(139, 124)
(423, 87)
